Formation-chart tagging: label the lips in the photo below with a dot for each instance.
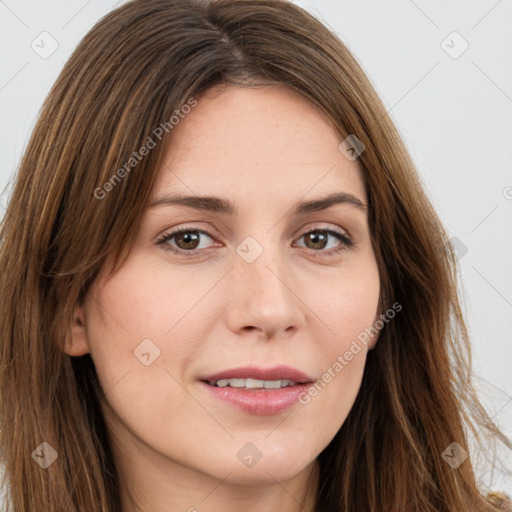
(253, 372)
(257, 400)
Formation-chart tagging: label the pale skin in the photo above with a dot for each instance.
(265, 150)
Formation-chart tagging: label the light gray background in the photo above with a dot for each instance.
(454, 112)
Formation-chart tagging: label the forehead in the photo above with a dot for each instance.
(248, 139)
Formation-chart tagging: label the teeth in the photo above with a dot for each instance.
(253, 383)
(234, 383)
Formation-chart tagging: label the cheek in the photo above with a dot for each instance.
(144, 300)
(150, 298)
(139, 367)
(347, 304)
(142, 330)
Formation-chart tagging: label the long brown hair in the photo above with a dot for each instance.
(130, 74)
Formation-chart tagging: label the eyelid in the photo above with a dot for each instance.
(172, 232)
(323, 227)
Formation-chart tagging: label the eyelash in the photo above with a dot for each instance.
(347, 242)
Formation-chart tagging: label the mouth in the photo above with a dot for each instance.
(258, 391)
(252, 383)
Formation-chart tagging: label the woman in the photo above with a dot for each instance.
(224, 287)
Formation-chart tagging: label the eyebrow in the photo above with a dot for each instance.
(226, 207)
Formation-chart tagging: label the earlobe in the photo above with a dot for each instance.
(78, 345)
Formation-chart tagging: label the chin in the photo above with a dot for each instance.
(267, 474)
(271, 467)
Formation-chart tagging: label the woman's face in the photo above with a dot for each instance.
(267, 291)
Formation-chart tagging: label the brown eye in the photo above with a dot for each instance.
(184, 240)
(317, 239)
(187, 240)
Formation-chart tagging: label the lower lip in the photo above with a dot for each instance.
(260, 401)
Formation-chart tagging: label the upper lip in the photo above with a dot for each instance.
(254, 372)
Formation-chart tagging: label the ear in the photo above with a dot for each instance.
(78, 345)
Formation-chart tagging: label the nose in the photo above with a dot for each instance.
(264, 295)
